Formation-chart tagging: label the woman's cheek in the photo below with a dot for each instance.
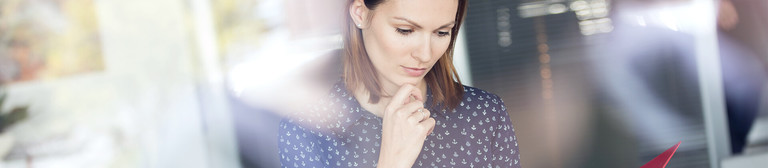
(394, 44)
(403, 48)
(440, 48)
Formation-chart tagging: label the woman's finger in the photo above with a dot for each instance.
(410, 108)
(418, 117)
(428, 123)
(416, 94)
(402, 96)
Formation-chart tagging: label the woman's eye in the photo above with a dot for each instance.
(404, 31)
(442, 34)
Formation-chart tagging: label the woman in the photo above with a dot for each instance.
(400, 102)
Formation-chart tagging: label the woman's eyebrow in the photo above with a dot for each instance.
(409, 21)
(419, 26)
(446, 25)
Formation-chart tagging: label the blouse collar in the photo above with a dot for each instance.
(352, 109)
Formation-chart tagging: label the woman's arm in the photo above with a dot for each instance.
(505, 147)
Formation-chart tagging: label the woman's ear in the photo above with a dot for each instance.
(357, 10)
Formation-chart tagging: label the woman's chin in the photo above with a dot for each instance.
(411, 80)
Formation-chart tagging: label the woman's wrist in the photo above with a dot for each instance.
(385, 162)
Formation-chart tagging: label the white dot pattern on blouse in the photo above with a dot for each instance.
(338, 132)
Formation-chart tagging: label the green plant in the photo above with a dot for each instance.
(8, 119)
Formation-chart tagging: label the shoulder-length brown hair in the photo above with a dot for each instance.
(442, 79)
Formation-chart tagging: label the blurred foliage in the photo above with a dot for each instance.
(49, 38)
(238, 26)
(9, 118)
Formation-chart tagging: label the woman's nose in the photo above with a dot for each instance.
(423, 52)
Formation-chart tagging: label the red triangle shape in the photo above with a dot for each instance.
(662, 160)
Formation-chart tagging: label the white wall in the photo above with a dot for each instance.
(461, 58)
(142, 110)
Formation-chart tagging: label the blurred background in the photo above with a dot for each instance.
(200, 83)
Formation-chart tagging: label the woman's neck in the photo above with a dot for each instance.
(363, 96)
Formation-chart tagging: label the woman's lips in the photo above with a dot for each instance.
(414, 72)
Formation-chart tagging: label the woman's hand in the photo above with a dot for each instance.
(406, 123)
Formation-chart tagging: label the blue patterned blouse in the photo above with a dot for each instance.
(338, 132)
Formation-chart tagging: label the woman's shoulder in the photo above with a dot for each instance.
(476, 100)
(329, 112)
(479, 95)
(476, 91)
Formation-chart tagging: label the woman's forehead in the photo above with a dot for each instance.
(428, 13)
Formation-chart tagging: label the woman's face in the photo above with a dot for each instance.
(405, 38)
